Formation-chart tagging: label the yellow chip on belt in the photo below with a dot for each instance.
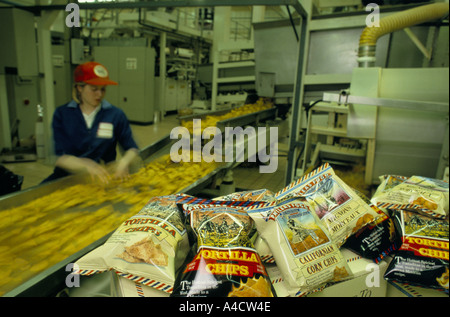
(338, 206)
(148, 247)
(303, 248)
(226, 263)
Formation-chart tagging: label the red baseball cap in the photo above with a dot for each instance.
(93, 73)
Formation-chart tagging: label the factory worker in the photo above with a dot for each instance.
(86, 130)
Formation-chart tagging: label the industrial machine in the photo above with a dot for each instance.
(330, 122)
(405, 124)
(134, 68)
(19, 93)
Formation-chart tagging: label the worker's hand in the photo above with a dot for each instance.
(97, 171)
(76, 165)
(122, 168)
(121, 171)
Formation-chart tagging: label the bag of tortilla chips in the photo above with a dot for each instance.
(249, 195)
(423, 257)
(420, 194)
(148, 248)
(387, 182)
(226, 263)
(377, 240)
(303, 249)
(338, 206)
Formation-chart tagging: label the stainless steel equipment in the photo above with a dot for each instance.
(51, 280)
(134, 69)
(404, 115)
(402, 72)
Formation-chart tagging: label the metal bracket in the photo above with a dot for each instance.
(344, 97)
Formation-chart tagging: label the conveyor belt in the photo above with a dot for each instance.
(251, 118)
(49, 279)
(33, 281)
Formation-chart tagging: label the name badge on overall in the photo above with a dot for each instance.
(105, 130)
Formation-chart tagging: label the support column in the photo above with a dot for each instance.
(297, 103)
(45, 21)
(222, 17)
(162, 73)
(5, 131)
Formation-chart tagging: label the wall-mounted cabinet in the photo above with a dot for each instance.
(177, 94)
(134, 69)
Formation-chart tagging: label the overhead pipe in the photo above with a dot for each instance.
(395, 22)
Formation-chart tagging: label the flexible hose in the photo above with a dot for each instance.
(395, 22)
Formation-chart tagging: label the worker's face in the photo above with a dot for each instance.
(91, 95)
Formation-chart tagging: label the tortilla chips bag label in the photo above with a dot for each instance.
(183, 199)
(147, 248)
(250, 195)
(423, 258)
(421, 194)
(226, 263)
(302, 247)
(340, 209)
(259, 195)
(377, 240)
(387, 182)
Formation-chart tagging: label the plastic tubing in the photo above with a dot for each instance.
(395, 22)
